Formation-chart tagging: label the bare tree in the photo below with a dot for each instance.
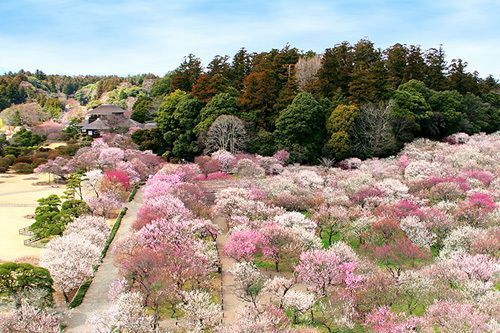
(306, 69)
(226, 133)
(372, 133)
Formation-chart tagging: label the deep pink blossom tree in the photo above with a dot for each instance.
(243, 244)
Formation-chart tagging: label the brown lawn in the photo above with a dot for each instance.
(18, 198)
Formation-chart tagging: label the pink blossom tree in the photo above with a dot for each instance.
(109, 157)
(321, 269)
(243, 244)
(59, 166)
(106, 205)
(383, 320)
(450, 316)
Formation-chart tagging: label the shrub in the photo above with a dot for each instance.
(39, 161)
(23, 159)
(24, 168)
(4, 164)
(11, 158)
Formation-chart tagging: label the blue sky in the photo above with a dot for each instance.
(129, 37)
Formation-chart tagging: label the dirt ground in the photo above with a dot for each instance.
(18, 198)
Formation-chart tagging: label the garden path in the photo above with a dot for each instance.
(231, 304)
(96, 299)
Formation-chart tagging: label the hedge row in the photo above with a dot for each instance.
(132, 193)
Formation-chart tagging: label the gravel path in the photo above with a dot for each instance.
(96, 298)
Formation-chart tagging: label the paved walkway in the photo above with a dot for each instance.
(96, 298)
(232, 304)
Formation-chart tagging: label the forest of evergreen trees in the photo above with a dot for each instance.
(351, 100)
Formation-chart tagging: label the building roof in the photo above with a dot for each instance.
(106, 110)
(149, 125)
(97, 124)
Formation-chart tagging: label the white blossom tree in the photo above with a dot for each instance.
(126, 314)
(200, 311)
(70, 260)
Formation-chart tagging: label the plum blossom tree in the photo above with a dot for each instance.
(93, 228)
(243, 244)
(91, 180)
(226, 160)
(382, 320)
(298, 302)
(59, 166)
(126, 314)
(118, 176)
(321, 269)
(249, 282)
(201, 312)
(106, 205)
(294, 220)
(70, 260)
(164, 206)
(29, 319)
(450, 316)
(109, 157)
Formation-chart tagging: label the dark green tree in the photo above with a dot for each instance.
(300, 129)
(176, 120)
(339, 126)
(415, 64)
(336, 70)
(461, 80)
(368, 82)
(26, 138)
(185, 76)
(142, 109)
(18, 279)
(396, 65)
(48, 218)
(409, 108)
(448, 114)
(224, 103)
(240, 68)
(436, 67)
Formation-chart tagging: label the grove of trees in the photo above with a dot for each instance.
(352, 100)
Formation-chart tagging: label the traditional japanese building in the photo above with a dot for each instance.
(110, 118)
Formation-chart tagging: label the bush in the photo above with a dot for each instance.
(41, 154)
(39, 161)
(23, 168)
(23, 159)
(11, 158)
(4, 164)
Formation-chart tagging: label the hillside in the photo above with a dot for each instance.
(350, 100)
